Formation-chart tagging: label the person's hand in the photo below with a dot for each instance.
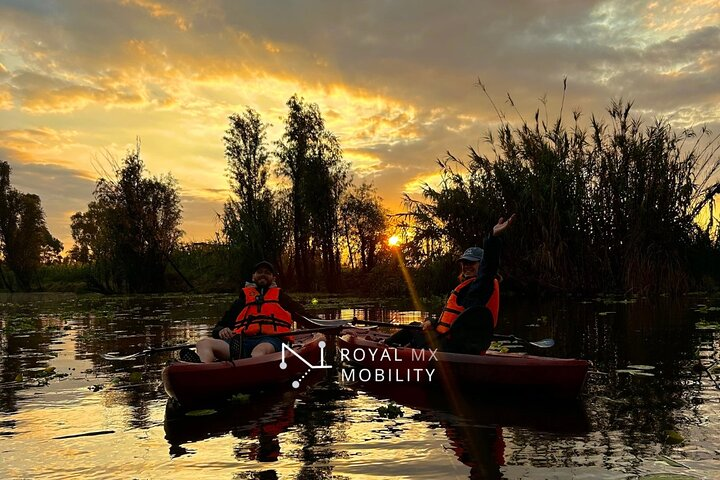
(225, 333)
(427, 325)
(502, 225)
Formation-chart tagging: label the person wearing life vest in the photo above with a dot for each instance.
(478, 282)
(478, 287)
(261, 309)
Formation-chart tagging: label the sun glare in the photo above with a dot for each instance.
(393, 241)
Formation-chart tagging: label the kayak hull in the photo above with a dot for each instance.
(192, 384)
(489, 372)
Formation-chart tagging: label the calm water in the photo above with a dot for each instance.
(631, 422)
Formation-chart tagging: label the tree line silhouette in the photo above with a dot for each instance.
(610, 207)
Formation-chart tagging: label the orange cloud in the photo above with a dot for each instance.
(72, 98)
(6, 99)
(363, 163)
(158, 10)
(415, 186)
(671, 17)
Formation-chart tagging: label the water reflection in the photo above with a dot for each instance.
(654, 378)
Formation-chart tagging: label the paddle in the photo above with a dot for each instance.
(320, 322)
(544, 343)
(150, 351)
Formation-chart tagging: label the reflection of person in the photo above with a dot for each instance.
(478, 287)
(480, 448)
(266, 432)
(261, 309)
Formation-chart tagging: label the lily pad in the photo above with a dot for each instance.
(666, 476)
(702, 325)
(201, 413)
(672, 437)
(390, 411)
(637, 373)
(241, 398)
(641, 367)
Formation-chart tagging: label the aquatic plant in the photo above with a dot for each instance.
(612, 206)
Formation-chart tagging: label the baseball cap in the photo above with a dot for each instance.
(473, 254)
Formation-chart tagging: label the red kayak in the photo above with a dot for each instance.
(491, 371)
(192, 384)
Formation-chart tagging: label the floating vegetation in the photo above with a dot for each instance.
(705, 325)
(639, 373)
(641, 367)
(19, 325)
(201, 413)
(614, 300)
(240, 398)
(637, 370)
(672, 437)
(390, 411)
(705, 309)
(666, 476)
(498, 347)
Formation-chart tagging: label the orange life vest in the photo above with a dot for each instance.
(263, 314)
(452, 309)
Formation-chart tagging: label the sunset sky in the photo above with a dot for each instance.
(396, 81)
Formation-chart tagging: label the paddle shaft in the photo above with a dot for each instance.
(385, 324)
(545, 343)
(152, 350)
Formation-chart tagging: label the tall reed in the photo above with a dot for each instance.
(613, 206)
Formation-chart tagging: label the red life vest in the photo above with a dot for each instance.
(263, 314)
(453, 310)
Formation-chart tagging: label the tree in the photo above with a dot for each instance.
(311, 158)
(364, 222)
(24, 237)
(130, 228)
(251, 218)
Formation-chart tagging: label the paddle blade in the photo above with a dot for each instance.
(327, 323)
(545, 343)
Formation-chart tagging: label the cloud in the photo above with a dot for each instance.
(395, 81)
(6, 99)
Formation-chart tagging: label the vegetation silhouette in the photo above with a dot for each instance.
(25, 241)
(608, 205)
(610, 208)
(129, 230)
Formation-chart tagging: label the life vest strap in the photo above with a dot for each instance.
(452, 310)
(262, 320)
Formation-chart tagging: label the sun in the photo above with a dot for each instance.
(394, 240)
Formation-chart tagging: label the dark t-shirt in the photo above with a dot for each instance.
(228, 318)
